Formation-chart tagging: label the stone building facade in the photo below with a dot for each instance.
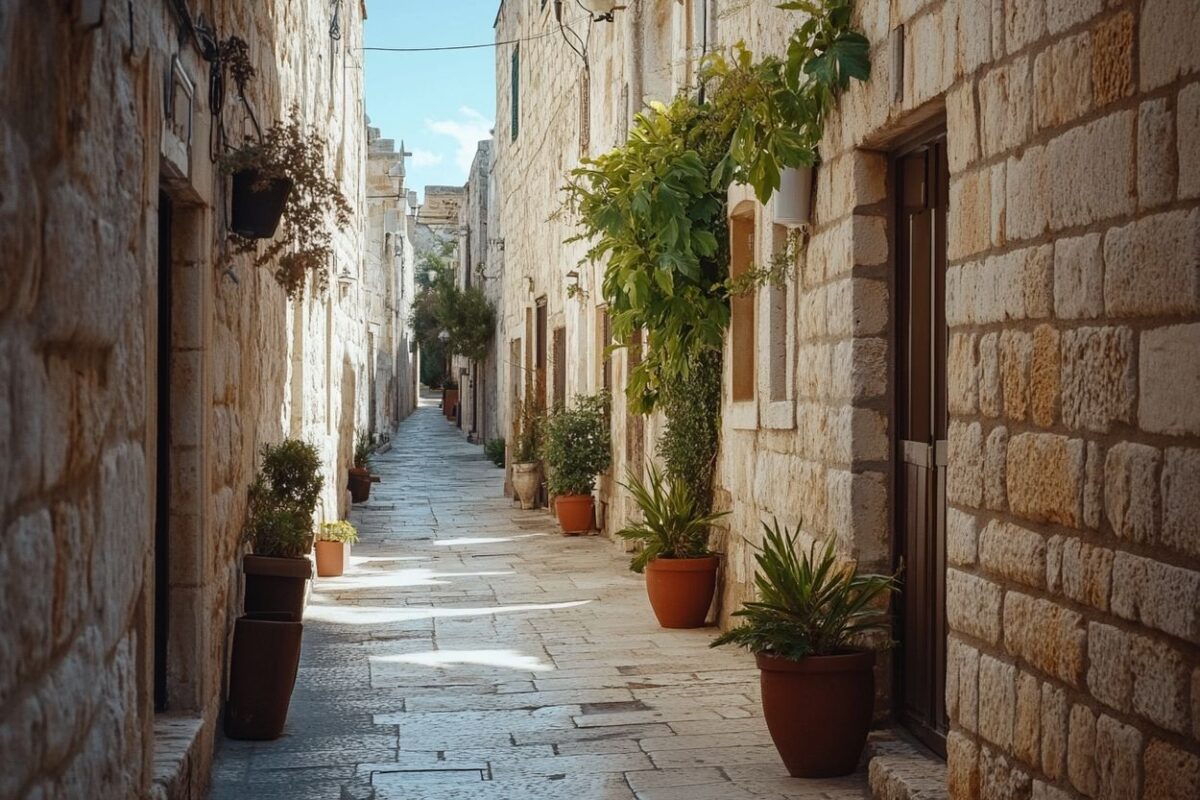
(390, 285)
(481, 379)
(142, 367)
(1049, 149)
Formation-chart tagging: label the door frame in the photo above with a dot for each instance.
(932, 737)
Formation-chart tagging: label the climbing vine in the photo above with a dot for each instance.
(653, 209)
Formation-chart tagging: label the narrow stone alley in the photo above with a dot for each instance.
(471, 651)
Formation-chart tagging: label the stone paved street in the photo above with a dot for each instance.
(473, 652)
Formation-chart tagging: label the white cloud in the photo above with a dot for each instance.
(425, 158)
(467, 130)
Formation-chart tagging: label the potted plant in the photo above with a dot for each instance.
(526, 469)
(360, 474)
(262, 675)
(494, 450)
(281, 173)
(681, 570)
(808, 632)
(577, 448)
(333, 547)
(279, 528)
(449, 397)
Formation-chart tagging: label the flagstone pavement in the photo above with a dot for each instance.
(473, 653)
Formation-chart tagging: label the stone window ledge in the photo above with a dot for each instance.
(176, 738)
(901, 769)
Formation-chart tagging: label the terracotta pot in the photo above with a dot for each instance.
(574, 513)
(681, 590)
(360, 485)
(818, 710)
(276, 585)
(255, 210)
(331, 558)
(525, 479)
(449, 402)
(262, 675)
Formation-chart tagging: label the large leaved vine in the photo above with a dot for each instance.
(653, 209)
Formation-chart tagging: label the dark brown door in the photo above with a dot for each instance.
(921, 184)
(560, 366)
(162, 480)
(539, 363)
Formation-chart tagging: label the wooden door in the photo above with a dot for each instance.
(921, 338)
(162, 467)
(560, 366)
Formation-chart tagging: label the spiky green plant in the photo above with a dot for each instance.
(494, 450)
(362, 452)
(808, 604)
(673, 524)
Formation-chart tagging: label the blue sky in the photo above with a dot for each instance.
(440, 104)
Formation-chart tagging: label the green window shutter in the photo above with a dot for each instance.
(516, 91)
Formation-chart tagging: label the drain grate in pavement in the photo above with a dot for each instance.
(399, 778)
(615, 707)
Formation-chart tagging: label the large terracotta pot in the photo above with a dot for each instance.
(574, 513)
(262, 674)
(331, 558)
(360, 485)
(276, 585)
(681, 590)
(818, 710)
(525, 479)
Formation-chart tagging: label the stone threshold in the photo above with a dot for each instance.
(901, 769)
(176, 766)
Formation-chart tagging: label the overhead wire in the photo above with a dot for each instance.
(468, 46)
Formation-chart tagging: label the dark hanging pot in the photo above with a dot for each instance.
(257, 207)
(681, 590)
(818, 710)
(359, 485)
(276, 585)
(262, 675)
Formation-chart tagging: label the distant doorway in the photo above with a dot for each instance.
(162, 471)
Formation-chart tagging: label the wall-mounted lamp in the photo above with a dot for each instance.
(529, 284)
(444, 336)
(497, 243)
(573, 278)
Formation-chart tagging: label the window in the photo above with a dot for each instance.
(515, 102)
(741, 327)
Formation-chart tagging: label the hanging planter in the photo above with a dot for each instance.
(793, 200)
(258, 203)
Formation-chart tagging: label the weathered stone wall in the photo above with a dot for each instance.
(388, 284)
(1073, 300)
(84, 152)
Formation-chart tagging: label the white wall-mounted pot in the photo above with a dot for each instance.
(793, 201)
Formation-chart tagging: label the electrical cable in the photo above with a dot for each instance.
(465, 46)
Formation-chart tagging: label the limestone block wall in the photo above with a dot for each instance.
(86, 146)
(1073, 302)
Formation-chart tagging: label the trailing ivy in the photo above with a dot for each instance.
(653, 209)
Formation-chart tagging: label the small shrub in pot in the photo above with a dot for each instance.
(359, 480)
(526, 469)
(808, 630)
(577, 447)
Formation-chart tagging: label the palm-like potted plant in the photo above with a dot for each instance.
(360, 474)
(577, 448)
(333, 547)
(809, 631)
(681, 570)
(279, 528)
(526, 468)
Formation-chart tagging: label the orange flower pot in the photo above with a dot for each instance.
(331, 558)
(574, 513)
(681, 590)
(834, 695)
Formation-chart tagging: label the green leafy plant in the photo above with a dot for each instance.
(674, 524)
(494, 450)
(466, 316)
(527, 432)
(283, 497)
(303, 251)
(362, 452)
(653, 209)
(340, 531)
(808, 604)
(688, 445)
(577, 445)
